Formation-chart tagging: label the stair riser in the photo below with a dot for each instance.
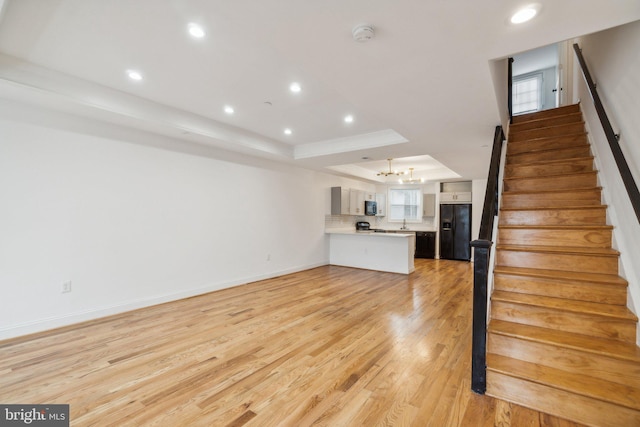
(595, 216)
(580, 291)
(568, 129)
(561, 111)
(563, 153)
(555, 199)
(567, 359)
(560, 403)
(579, 323)
(553, 143)
(558, 261)
(556, 168)
(552, 237)
(547, 122)
(564, 182)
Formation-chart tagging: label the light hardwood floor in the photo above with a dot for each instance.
(330, 346)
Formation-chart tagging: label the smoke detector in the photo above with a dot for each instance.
(363, 33)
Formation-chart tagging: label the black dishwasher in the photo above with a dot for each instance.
(425, 244)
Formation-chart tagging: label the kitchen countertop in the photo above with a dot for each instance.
(387, 232)
(369, 233)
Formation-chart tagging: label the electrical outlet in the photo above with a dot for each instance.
(268, 257)
(66, 287)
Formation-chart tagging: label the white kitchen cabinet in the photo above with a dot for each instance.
(429, 205)
(340, 200)
(371, 197)
(381, 204)
(356, 202)
(456, 197)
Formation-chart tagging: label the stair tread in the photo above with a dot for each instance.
(542, 150)
(582, 384)
(546, 208)
(549, 127)
(575, 306)
(574, 250)
(552, 162)
(549, 138)
(555, 175)
(576, 114)
(571, 190)
(558, 111)
(614, 349)
(562, 275)
(556, 227)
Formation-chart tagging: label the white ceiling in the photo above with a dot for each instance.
(421, 89)
(535, 60)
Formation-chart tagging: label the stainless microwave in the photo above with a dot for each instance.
(370, 208)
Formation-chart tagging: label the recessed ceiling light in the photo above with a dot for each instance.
(228, 109)
(134, 75)
(295, 87)
(287, 131)
(196, 30)
(524, 15)
(348, 119)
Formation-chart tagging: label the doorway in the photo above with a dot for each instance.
(537, 80)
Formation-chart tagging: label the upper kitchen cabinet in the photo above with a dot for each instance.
(464, 197)
(428, 205)
(381, 204)
(455, 192)
(356, 202)
(340, 201)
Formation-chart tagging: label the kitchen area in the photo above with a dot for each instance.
(388, 229)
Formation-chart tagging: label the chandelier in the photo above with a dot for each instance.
(411, 179)
(389, 172)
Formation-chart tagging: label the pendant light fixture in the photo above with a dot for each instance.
(411, 180)
(389, 172)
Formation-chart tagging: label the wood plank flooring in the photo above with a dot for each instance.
(331, 346)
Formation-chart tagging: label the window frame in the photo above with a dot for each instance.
(536, 75)
(418, 218)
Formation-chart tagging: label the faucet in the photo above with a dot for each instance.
(404, 225)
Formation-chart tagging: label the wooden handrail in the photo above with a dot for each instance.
(491, 194)
(481, 256)
(612, 138)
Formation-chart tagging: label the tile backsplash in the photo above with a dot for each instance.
(343, 221)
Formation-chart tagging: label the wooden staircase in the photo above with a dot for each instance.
(561, 339)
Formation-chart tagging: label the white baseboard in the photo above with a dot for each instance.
(45, 324)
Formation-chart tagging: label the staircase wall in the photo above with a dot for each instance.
(612, 59)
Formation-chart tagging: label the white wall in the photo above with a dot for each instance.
(500, 75)
(131, 225)
(614, 63)
(479, 188)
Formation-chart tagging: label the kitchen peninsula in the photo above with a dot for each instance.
(391, 252)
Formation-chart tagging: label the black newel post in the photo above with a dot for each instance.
(479, 338)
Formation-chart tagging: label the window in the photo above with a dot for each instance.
(527, 93)
(405, 204)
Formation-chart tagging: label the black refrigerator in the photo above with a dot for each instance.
(455, 232)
